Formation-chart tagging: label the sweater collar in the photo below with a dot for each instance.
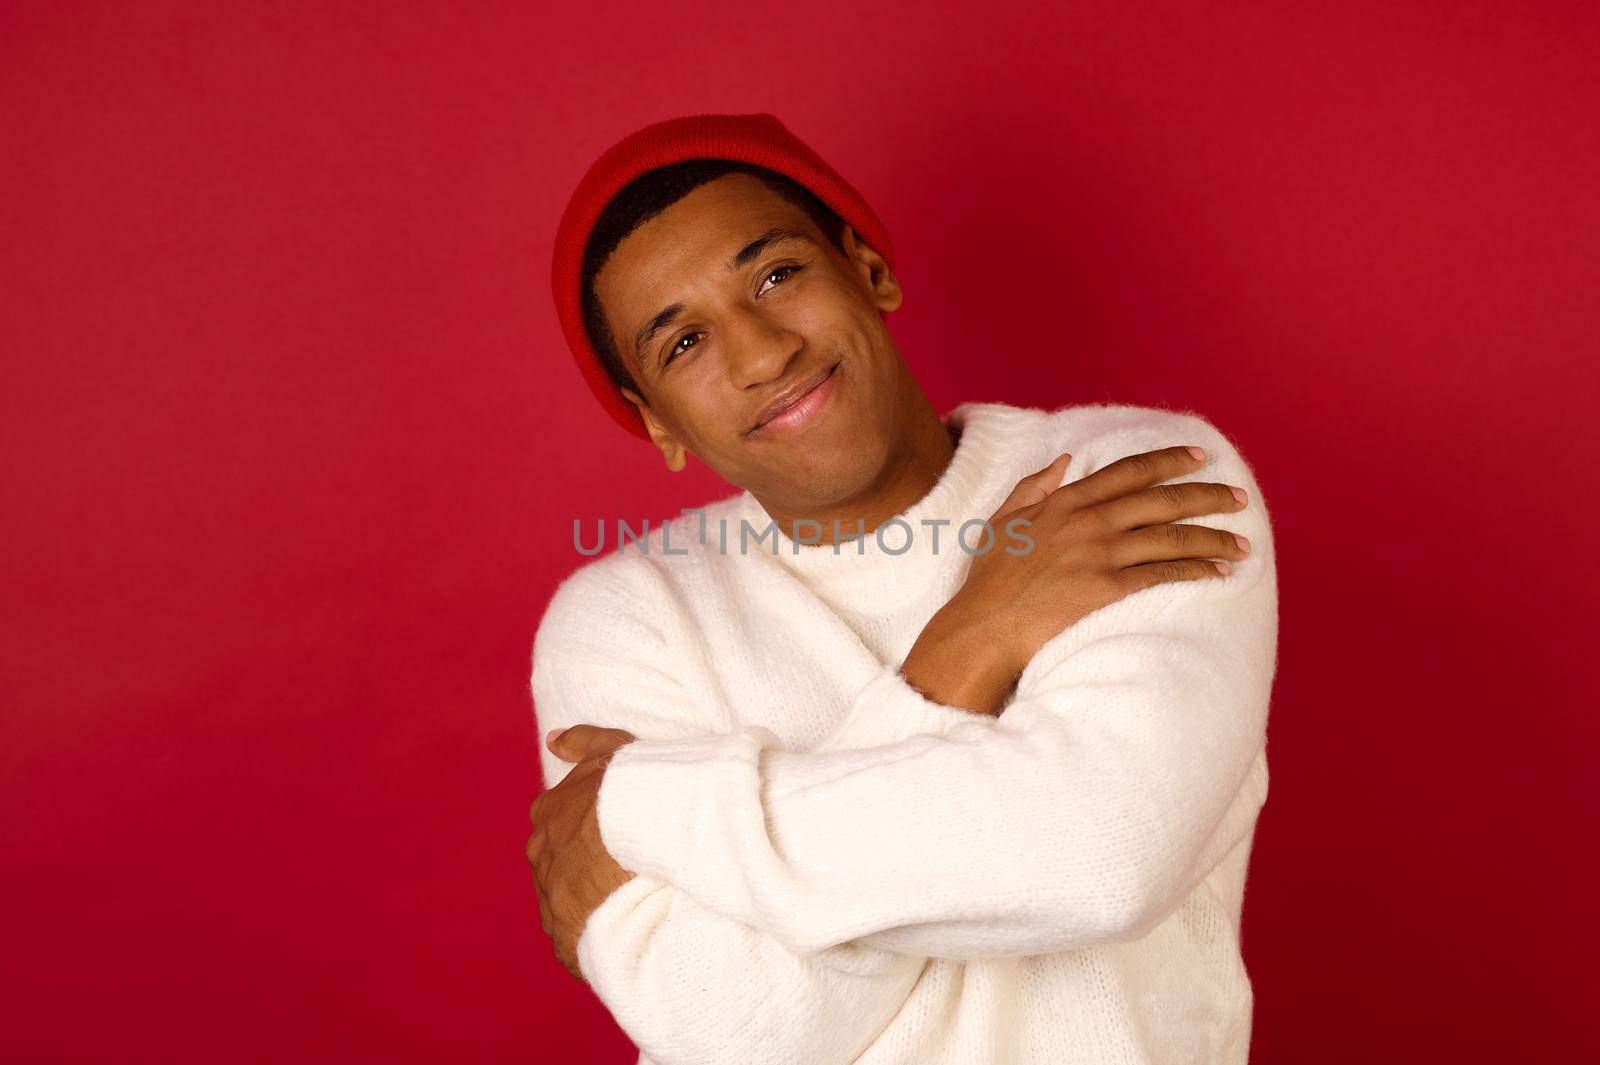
(899, 561)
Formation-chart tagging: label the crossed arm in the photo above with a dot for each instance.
(694, 987)
(1115, 781)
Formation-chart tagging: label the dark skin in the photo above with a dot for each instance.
(572, 870)
(743, 336)
(746, 334)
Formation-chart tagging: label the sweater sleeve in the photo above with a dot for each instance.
(688, 985)
(692, 987)
(1130, 762)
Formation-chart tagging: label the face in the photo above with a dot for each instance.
(723, 329)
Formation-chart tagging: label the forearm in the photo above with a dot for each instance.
(1066, 822)
(691, 987)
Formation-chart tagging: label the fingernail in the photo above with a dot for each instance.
(556, 735)
(1238, 493)
(1244, 545)
(1198, 452)
(1222, 567)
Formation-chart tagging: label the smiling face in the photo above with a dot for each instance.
(730, 306)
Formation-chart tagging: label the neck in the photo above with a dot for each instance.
(910, 473)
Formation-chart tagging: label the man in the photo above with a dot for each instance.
(829, 779)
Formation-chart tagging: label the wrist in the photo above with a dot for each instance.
(958, 661)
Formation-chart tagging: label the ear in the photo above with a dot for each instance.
(671, 450)
(873, 270)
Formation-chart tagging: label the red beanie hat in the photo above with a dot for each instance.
(760, 139)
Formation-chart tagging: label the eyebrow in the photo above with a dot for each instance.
(743, 257)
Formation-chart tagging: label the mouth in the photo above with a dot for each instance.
(798, 407)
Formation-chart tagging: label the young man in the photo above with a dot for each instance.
(829, 779)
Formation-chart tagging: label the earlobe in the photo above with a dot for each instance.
(670, 449)
(874, 270)
(888, 291)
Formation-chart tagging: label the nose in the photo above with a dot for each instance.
(759, 349)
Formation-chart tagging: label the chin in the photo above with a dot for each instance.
(839, 471)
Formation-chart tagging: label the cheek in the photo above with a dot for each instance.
(701, 415)
(873, 351)
(830, 304)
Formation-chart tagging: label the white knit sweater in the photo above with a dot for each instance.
(832, 868)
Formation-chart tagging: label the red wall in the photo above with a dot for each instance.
(290, 451)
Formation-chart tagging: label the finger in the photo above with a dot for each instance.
(1160, 543)
(1037, 486)
(583, 741)
(1134, 472)
(546, 918)
(1171, 502)
(574, 743)
(1135, 578)
(531, 850)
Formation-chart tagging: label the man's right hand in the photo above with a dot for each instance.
(1095, 541)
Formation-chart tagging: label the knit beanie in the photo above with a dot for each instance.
(758, 138)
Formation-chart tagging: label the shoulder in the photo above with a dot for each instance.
(1101, 433)
(1098, 434)
(1109, 432)
(1085, 427)
(597, 589)
(634, 583)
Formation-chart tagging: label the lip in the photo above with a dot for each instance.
(797, 406)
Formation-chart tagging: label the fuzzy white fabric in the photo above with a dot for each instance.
(831, 868)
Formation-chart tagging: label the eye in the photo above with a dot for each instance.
(785, 271)
(674, 351)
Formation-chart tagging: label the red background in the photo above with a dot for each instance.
(291, 452)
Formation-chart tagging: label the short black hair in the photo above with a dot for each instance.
(647, 196)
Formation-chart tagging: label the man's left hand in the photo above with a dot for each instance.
(572, 871)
